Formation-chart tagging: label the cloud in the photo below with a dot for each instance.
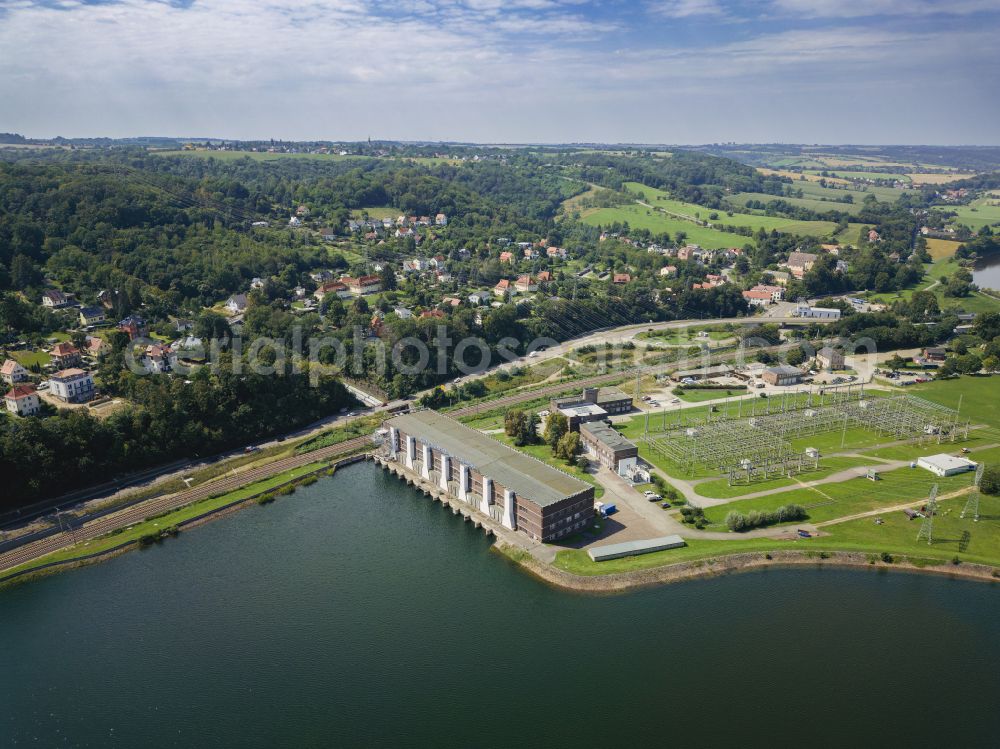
(870, 8)
(686, 8)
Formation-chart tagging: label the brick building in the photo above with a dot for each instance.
(517, 490)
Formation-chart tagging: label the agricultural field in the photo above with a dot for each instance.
(980, 213)
(860, 192)
(693, 212)
(942, 248)
(640, 217)
(813, 204)
(852, 175)
(799, 176)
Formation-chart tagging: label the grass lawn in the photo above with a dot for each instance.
(31, 358)
(685, 337)
(969, 541)
(720, 489)
(830, 501)
(852, 175)
(376, 212)
(697, 395)
(133, 533)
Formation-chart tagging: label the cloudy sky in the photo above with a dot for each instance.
(663, 71)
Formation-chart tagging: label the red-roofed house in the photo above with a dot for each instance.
(556, 252)
(22, 400)
(362, 285)
(65, 355)
(545, 276)
(506, 257)
(621, 278)
(526, 284)
(503, 287)
(336, 288)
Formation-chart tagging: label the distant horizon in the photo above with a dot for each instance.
(508, 71)
(487, 143)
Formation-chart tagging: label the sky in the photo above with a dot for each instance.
(505, 71)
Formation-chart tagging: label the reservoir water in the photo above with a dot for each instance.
(986, 274)
(359, 613)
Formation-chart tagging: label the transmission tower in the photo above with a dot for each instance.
(972, 504)
(927, 527)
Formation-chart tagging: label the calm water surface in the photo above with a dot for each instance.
(987, 272)
(358, 613)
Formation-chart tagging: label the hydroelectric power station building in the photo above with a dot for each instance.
(520, 492)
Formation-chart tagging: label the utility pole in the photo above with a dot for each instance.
(972, 504)
(927, 527)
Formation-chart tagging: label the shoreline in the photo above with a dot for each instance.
(624, 582)
(611, 583)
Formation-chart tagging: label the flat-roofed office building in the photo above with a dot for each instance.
(517, 490)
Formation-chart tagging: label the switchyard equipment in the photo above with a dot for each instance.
(755, 441)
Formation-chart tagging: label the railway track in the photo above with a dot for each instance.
(167, 503)
(159, 505)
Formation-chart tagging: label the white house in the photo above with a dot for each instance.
(478, 298)
(237, 303)
(72, 385)
(53, 298)
(13, 372)
(441, 220)
(22, 400)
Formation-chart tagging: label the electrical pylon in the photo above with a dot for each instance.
(927, 527)
(972, 503)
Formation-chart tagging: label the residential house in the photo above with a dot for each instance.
(830, 358)
(13, 372)
(294, 222)
(545, 276)
(106, 298)
(441, 220)
(321, 276)
(506, 257)
(328, 233)
(159, 359)
(669, 271)
(451, 301)
(257, 283)
(92, 316)
(477, 298)
(136, 327)
(96, 346)
(403, 313)
(54, 299)
(65, 355)
(762, 295)
(503, 288)
(336, 288)
(525, 284)
(302, 211)
(779, 277)
(237, 304)
(72, 385)
(556, 252)
(800, 263)
(405, 231)
(621, 278)
(873, 236)
(833, 249)
(530, 253)
(22, 400)
(362, 285)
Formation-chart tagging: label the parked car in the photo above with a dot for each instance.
(654, 498)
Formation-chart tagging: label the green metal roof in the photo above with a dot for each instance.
(529, 477)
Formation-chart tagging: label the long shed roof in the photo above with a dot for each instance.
(529, 477)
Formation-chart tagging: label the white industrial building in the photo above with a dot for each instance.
(946, 465)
